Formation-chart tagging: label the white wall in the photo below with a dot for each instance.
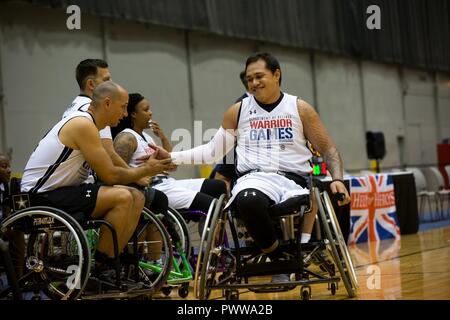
(39, 56)
(216, 65)
(383, 105)
(420, 118)
(152, 61)
(340, 107)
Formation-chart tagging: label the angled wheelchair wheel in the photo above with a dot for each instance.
(57, 256)
(202, 243)
(178, 230)
(212, 243)
(336, 243)
(339, 239)
(154, 273)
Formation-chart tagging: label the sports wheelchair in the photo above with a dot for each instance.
(59, 249)
(230, 267)
(183, 226)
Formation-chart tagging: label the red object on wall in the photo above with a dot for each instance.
(443, 150)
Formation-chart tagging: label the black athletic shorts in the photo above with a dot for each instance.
(70, 199)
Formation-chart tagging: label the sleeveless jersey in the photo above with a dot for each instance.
(271, 141)
(82, 103)
(142, 146)
(53, 165)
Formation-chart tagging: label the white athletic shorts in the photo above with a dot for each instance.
(275, 186)
(181, 192)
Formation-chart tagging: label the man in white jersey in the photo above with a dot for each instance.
(59, 165)
(89, 74)
(271, 129)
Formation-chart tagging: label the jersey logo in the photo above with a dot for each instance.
(88, 194)
(252, 111)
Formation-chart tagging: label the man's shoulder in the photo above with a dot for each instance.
(80, 120)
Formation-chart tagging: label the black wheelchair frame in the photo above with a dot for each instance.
(229, 268)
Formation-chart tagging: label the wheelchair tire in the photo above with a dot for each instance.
(211, 258)
(56, 248)
(181, 228)
(158, 280)
(183, 291)
(202, 243)
(334, 249)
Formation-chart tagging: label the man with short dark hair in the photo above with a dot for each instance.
(62, 160)
(89, 74)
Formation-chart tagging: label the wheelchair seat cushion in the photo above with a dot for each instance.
(290, 206)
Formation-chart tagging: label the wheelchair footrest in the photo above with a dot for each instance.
(272, 289)
(269, 268)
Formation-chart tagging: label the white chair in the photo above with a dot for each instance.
(435, 183)
(424, 196)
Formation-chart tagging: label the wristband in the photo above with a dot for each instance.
(340, 180)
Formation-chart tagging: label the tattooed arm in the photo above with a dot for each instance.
(125, 145)
(317, 134)
(116, 159)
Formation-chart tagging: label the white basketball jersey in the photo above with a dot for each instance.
(271, 141)
(143, 148)
(82, 103)
(53, 165)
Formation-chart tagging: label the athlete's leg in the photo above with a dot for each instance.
(122, 208)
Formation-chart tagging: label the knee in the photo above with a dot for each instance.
(220, 187)
(138, 199)
(214, 187)
(160, 200)
(250, 200)
(124, 197)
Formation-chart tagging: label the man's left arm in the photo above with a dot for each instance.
(317, 134)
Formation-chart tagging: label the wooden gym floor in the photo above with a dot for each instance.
(416, 267)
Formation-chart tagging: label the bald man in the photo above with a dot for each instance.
(60, 164)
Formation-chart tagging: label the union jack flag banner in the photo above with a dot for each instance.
(373, 215)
